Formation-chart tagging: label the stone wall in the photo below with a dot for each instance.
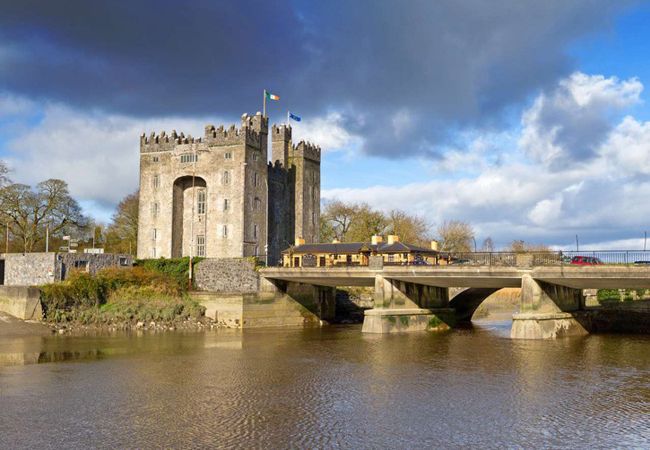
(89, 262)
(35, 269)
(30, 269)
(227, 275)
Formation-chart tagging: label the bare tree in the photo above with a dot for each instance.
(410, 228)
(456, 236)
(488, 245)
(122, 233)
(29, 211)
(340, 216)
(366, 222)
(520, 246)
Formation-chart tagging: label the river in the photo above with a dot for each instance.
(323, 388)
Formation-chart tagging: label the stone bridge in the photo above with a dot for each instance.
(410, 298)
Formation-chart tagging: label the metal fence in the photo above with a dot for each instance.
(550, 258)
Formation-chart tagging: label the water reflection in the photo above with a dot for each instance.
(325, 387)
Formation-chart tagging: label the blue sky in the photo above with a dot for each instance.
(527, 119)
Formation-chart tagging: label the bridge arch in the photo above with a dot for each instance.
(467, 302)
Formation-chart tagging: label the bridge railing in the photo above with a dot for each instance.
(548, 258)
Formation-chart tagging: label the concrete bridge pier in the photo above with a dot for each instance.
(547, 311)
(314, 302)
(403, 306)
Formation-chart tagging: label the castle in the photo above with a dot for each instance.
(219, 197)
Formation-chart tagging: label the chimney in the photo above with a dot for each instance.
(435, 246)
(392, 238)
(376, 239)
(299, 241)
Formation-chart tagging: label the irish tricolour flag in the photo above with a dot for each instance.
(271, 96)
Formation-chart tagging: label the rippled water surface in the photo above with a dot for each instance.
(330, 387)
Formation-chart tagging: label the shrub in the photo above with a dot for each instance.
(608, 296)
(175, 268)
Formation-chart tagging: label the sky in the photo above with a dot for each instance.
(529, 120)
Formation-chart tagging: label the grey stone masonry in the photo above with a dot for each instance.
(227, 275)
(34, 269)
(217, 196)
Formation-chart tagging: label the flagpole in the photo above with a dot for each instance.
(264, 104)
(288, 117)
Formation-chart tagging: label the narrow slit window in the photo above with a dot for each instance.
(200, 202)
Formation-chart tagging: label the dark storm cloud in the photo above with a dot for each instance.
(401, 72)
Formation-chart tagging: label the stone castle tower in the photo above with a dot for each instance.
(218, 196)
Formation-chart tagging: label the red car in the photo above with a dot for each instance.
(585, 261)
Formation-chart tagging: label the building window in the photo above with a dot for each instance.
(227, 155)
(200, 245)
(226, 178)
(189, 157)
(153, 252)
(226, 204)
(225, 231)
(257, 250)
(81, 265)
(155, 158)
(155, 209)
(124, 261)
(200, 202)
(257, 204)
(154, 234)
(254, 231)
(313, 218)
(391, 258)
(255, 179)
(155, 182)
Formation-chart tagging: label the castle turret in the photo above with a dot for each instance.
(304, 159)
(280, 143)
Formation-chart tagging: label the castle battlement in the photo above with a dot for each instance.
(307, 150)
(281, 133)
(164, 142)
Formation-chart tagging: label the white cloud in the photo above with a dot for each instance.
(568, 124)
(539, 187)
(328, 131)
(97, 154)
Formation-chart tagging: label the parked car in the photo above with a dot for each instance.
(642, 263)
(585, 261)
(459, 261)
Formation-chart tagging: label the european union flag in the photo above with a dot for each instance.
(294, 117)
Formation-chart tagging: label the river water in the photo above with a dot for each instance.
(323, 388)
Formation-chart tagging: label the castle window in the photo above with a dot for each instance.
(200, 202)
(156, 181)
(226, 204)
(256, 180)
(225, 231)
(227, 155)
(255, 231)
(153, 252)
(154, 234)
(189, 157)
(226, 178)
(155, 209)
(313, 218)
(155, 158)
(257, 250)
(257, 204)
(200, 245)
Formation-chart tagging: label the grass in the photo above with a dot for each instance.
(120, 295)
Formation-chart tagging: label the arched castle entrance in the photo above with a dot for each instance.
(188, 222)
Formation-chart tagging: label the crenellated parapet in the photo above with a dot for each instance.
(307, 150)
(251, 132)
(281, 133)
(165, 142)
